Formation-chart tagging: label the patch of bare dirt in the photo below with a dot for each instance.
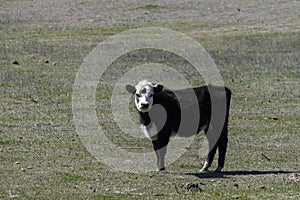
(78, 13)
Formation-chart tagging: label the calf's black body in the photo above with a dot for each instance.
(187, 112)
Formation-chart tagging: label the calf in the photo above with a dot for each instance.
(185, 113)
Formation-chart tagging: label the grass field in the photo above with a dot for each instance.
(255, 45)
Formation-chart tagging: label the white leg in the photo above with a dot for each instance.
(205, 167)
(161, 158)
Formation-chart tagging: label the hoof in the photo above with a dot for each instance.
(219, 169)
(161, 169)
(204, 169)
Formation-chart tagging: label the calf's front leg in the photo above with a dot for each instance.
(160, 151)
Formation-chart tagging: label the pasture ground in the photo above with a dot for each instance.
(255, 45)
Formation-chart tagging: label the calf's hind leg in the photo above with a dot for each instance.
(210, 156)
(222, 148)
(213, 145)
(221, 145)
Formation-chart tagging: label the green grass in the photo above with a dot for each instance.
(150, 7)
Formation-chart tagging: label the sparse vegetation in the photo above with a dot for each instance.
(41, 155)
(149, 7)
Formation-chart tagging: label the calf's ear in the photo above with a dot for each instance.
(158, 88)
(130, 88)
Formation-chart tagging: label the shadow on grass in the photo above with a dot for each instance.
(227, 174)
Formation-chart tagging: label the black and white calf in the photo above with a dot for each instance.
(185, 113)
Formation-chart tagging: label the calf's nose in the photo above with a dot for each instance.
(144, 105)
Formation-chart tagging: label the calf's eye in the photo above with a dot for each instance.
(138, 95)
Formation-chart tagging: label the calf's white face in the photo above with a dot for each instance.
(144, 92)
(144, 98)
